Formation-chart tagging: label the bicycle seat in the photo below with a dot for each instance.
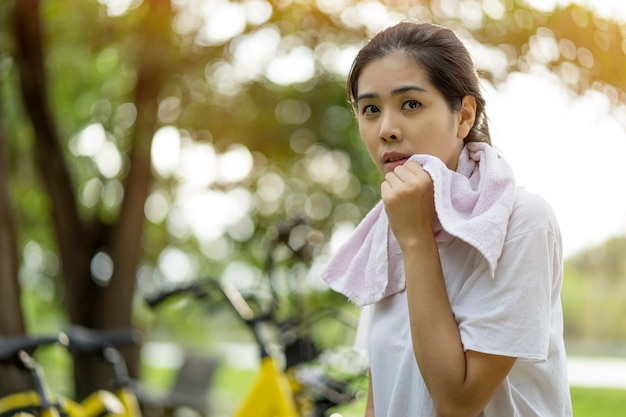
(85, 340)
(10, 346)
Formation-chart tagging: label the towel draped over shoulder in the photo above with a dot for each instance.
(473, 204)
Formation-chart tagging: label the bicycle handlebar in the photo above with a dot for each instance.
(201, 289)
(238, 302)
(196, 289)
(10, 346)
(80, 339)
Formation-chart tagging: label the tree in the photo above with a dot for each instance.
(9, 288)
(95, 86)
(80, 240)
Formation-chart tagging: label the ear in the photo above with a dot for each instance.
(466, 117)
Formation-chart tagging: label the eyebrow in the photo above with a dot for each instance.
(395, 92)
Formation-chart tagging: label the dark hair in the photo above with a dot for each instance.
(439, 52)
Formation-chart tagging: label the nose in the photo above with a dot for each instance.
(390, 129)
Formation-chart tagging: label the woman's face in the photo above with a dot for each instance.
(400, 113)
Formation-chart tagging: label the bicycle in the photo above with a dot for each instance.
(278, 391)
(287, 383)
(82, 340)
(18, 350)
(40, 401)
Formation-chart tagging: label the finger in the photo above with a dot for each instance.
(409, 173)
(414, 167)
(402, 173)
(417, 173)
(401, 179)
(389, 190)
(385, 190)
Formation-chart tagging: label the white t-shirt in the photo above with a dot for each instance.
(516, 313)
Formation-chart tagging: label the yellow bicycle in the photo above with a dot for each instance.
(40, 401)
(18, 350)
(286, 383)
(82, 340)
(277, 390)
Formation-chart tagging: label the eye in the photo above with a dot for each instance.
(370, 109)
(411, 105)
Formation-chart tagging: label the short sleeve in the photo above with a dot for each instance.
(511, 313)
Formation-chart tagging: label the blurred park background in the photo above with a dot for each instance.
(145, 144)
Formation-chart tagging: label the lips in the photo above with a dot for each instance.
(391, 160)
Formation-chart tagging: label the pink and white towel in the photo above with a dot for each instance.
(472, 203)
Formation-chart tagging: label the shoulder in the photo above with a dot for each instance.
(531, 213)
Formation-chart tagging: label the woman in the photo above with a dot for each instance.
(458, 269)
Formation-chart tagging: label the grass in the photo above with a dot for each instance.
(230, 386)
(598, 402)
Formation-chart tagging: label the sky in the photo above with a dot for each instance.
(567, 148)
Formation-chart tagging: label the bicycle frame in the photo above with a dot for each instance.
(277, 390)
(270, 395)
(129, 401)
(98, 404)
(83, 340)
(27, 402)
(40, 401)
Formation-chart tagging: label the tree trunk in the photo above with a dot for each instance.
(12, 322)
(76, 243)
(88, 304)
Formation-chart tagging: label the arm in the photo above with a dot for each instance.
(460, 382)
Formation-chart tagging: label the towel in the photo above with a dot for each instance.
(473, 204)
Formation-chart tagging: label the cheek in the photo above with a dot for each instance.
(366, 134)
(370, 141)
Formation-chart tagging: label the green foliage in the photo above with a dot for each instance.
(92, 61)
(41, 307)
(594, 293)
(585, 50)
(605, 262)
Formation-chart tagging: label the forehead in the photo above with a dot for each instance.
(386, 73)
